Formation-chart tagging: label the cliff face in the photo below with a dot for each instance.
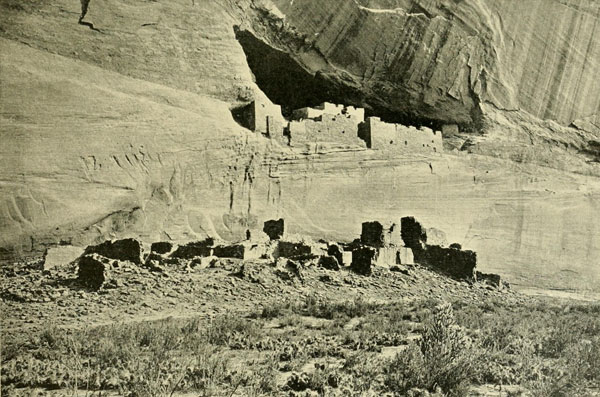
(129, 132)
(438, 60)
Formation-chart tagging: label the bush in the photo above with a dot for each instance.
(332, 310)
(232, 331)
(444, 358)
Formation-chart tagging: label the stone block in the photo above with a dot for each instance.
(274, 127)
(229, 251)
(376, 234)
(346, 258)
(489, 278)
(413, 233)
(128, 249)
(288, 249)
(456, 263)
(386, 256)
(274, 229)
(363, 260)
(193, 249)
(161, 247)
(337, 252)
(405, 256)
(92, 271)
(329, 262)
(61, 256)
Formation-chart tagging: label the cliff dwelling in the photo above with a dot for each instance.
(278, 198)
(329, 122)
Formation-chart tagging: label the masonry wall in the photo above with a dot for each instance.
(356, 113)
(326, 108)
(306, 113)
(450, 129)
(327, 128)
(381, 135)
(267, 118)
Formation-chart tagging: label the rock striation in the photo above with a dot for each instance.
(98, 145)
(439, 60)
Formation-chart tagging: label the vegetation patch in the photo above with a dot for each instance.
(444, 348)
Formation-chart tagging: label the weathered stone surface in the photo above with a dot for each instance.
(289, 249)
(457, 263)
(193, 249)
(337, 251)
(329, 262)
(377, 234)
(439, 60)
(413, 234)
(524, 194)
(386, 256)
(128, 249)
(92, 271)
(405, 256)
(436, 237)
(490, 278)
(363, 260)
(346, 258)
(161, 247)
(274, 228)
(61, 256)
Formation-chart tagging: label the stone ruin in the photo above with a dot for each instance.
(452, 260)
(381, 135)
(326, 108)
(263, 117)
(393, 245)
(335, 123)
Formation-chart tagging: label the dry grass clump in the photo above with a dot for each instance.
(549, 350)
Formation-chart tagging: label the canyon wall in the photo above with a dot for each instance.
(438, 59)
(128, 131)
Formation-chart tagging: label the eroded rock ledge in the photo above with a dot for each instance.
(436, 61)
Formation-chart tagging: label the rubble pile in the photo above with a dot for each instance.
(128, 249)
(452, 260)
(392, 245)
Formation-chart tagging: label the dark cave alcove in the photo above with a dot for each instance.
(285, 82)
(281, 78)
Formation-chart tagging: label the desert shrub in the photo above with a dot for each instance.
(444, 358)
(231, 330)
(406, 370)
(274, 310)
(330, 310)
(575, 374)
(51, 337)
(319, 380)
(366, 371)
(263, 377)
(208, 370)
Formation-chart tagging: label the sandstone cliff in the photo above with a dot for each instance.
(128, 131)
(438, 60)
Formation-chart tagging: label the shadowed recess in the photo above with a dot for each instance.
(287, 83)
